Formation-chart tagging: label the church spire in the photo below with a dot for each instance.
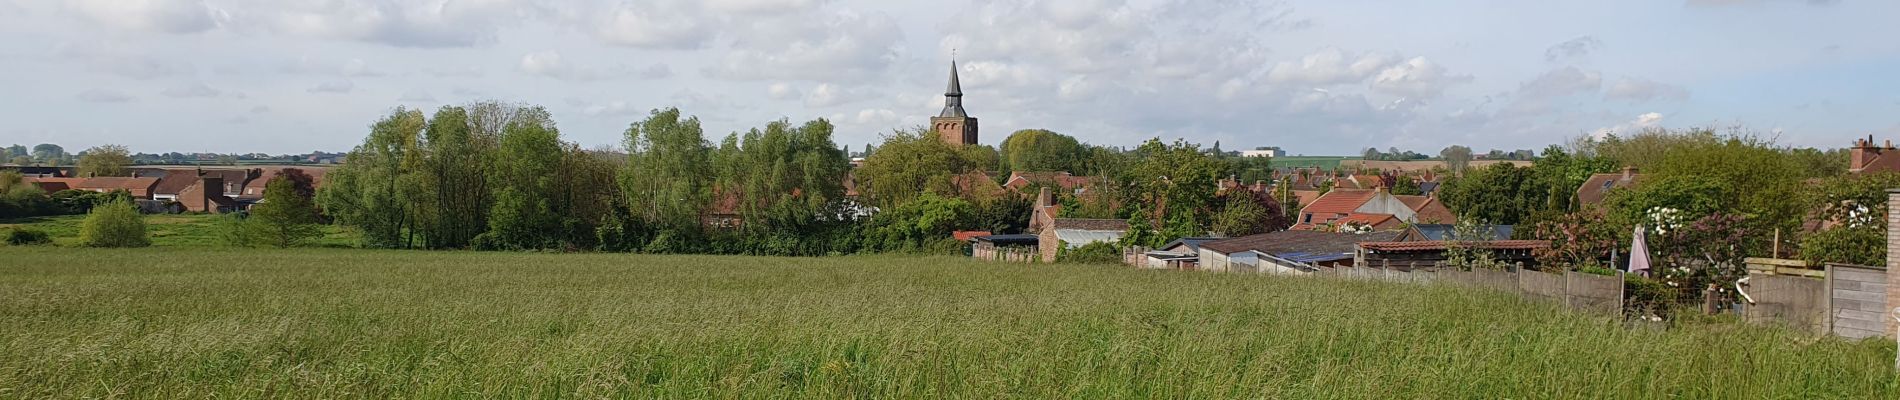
(953, 96)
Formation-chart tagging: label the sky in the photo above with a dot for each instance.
(1314, 77)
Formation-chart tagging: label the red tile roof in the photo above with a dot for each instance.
(1339, 201)
(1429, 209)
(1598, 186)
(139, 187)
(965, 236)
(1373, 220)
(1441, 245)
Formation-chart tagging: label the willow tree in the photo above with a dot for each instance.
(667, 180)
(381, 183)
(107, 160)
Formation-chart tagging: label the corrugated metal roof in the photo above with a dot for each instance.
(1304, 257)
(1440, 245)
(1078, 237)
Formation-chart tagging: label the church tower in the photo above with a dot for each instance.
(954, 126)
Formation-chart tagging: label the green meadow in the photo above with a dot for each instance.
(338, 323)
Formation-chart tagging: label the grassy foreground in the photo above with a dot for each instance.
(198, 323)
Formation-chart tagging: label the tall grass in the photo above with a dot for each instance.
(180, 323)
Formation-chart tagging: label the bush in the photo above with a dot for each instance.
(232, 231)
(1092, 253)
(28, 237)
(114, 224)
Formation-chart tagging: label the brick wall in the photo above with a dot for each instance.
(1893, 259)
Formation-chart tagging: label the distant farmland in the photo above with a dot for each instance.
(205, 323)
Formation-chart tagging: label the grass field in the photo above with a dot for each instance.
(167, 230)
(323, 323)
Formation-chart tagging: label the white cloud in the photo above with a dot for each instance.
(111, 59)
(1417, 78)
(1641, 123)
(1573, 49)
(831, 47)
(351, 68)
(762, 6)
(782, 91)
(416, 96)
(1643, 90)
(157, 16)
(664, 24)
(552, 65)
(876, 117)
(436, 23)
(656, 71)
(1561, 82)
(195, 89)
(614, 108)
(1330, 67)
(342, 86)
(827, 95)
(454, 72)
(104, 96)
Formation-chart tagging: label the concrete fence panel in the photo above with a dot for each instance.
(1856, 301)
(1541, 285)
(1792, 300)
(1495, 279)
(1593, 292)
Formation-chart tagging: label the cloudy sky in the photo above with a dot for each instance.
(1316, 77)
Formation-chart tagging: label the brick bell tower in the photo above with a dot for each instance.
(954, 126)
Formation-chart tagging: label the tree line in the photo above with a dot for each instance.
(497, 176)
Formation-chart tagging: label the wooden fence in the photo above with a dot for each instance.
(1578, 290)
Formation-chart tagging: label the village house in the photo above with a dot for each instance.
(1375, 209)
(1402, 255)
(1285, 252)
(1438, 232)
(1055, 234)
(139, 187)
(1865, 157)
(1182, 254)
(1598, 186)
(1007, 248)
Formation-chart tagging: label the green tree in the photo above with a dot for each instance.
(107, 160)
(49, 153)
(1247, 213)
(456, 175)
(1817, 163)
(921, 225)
(1179, 180)
(1855, 209)
(379, 186)
(909, 164)
(286, 217)
(1559, 173)
(116, 224)
(1457, 158)
(668, 178)
(1042, 150)
(1406, 186)
(525, 181)
(1502, 193)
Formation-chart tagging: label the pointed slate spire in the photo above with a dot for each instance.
(953, 96)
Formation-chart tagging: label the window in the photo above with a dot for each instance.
(1608, 184)
(1309, 218)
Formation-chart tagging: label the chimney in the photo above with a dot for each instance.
(1629, 173)
(1863, 154)
(1044, 198)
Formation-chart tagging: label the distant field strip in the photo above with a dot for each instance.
(322, 323)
